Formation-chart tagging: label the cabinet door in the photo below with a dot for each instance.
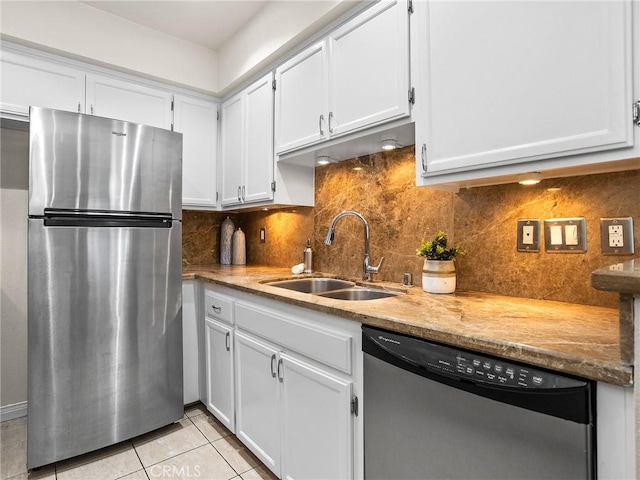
(26, 81)
(232, 150)
(317, 440)
(369, 68)
(257, 401)
(190, 356)
(509, 82)
(301, 99)
(131, 102)
(258, 154)
(196, 119)
(219, 345)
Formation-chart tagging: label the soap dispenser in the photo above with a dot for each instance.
(308, 258)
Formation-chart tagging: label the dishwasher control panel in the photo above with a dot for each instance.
(465, 365)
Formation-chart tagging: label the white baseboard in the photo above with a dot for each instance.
(15, 410)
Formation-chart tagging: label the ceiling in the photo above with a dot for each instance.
(209, 23)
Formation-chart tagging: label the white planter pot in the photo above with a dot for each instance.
(439, 276)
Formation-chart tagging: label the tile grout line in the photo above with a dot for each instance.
(139, 459)
(214, 447)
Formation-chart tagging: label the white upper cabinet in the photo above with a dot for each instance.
(355, 78)
(369, 68)
(507, 83)
(301, 99)
(28, 81)
(246, 151)
(196, 119)
(114, 98)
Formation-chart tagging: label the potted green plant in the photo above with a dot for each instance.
(439, 271)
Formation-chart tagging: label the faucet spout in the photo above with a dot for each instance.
(367, 269)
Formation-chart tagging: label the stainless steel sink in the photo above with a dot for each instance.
(313, 285)
(359, 293)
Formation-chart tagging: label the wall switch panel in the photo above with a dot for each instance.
(617, 236)
(528, 235)
(565, 235)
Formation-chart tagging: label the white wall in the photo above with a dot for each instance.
(14, 185)
(83, 32)
(278, 28)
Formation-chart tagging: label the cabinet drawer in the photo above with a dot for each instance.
(327, 346)
(218, 306)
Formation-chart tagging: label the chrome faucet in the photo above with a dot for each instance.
(367, 270)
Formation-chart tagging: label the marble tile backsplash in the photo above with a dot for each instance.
(483, 220)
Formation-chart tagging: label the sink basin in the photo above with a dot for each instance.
(359, 293)
(313, 285)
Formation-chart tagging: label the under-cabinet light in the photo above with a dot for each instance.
(531, 178)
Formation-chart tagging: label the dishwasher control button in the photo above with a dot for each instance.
(491, 376)
(476, 362)
(510, 372)
(537, 380)
(470, 370)
(486, 365)
(498, 368)
(502, 379)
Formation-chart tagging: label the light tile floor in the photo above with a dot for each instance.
(198, 447)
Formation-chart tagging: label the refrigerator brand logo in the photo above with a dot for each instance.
(389, 340)
(119, 134)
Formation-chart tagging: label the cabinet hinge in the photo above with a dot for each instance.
(412, 95)
(273, 84)
(273, 186)
(354, 406)
(410, 7)
(636, 113)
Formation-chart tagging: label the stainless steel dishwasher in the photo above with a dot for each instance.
(437, 412)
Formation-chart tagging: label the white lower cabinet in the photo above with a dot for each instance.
(286, 381)
(294, 416)
(258, 422)
(315, 406)
(219, 356)
(219, 346)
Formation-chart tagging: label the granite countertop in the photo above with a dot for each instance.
(575, 339)
(622, 277)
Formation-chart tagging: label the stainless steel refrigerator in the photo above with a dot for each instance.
(104, 283)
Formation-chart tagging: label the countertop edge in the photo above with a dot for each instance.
(607, 372)
(621, 277)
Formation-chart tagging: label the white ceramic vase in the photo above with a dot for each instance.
(439, 276)
(226, 235)
(239, 248)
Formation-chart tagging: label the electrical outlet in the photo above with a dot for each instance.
(528, 235)
(565, 235)
(617, 236)
(263, 235)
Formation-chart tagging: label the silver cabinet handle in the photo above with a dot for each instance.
(273, 372)
(320, 122)
(79, 108)
(330, 122)
(239, 197)
(91, 109)
(227, 341)
(243, 197)
(424, 157)
(216, 309)
(280, 376)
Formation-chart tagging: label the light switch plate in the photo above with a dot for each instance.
(617, 236)
(528, 235)
(565, 235)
